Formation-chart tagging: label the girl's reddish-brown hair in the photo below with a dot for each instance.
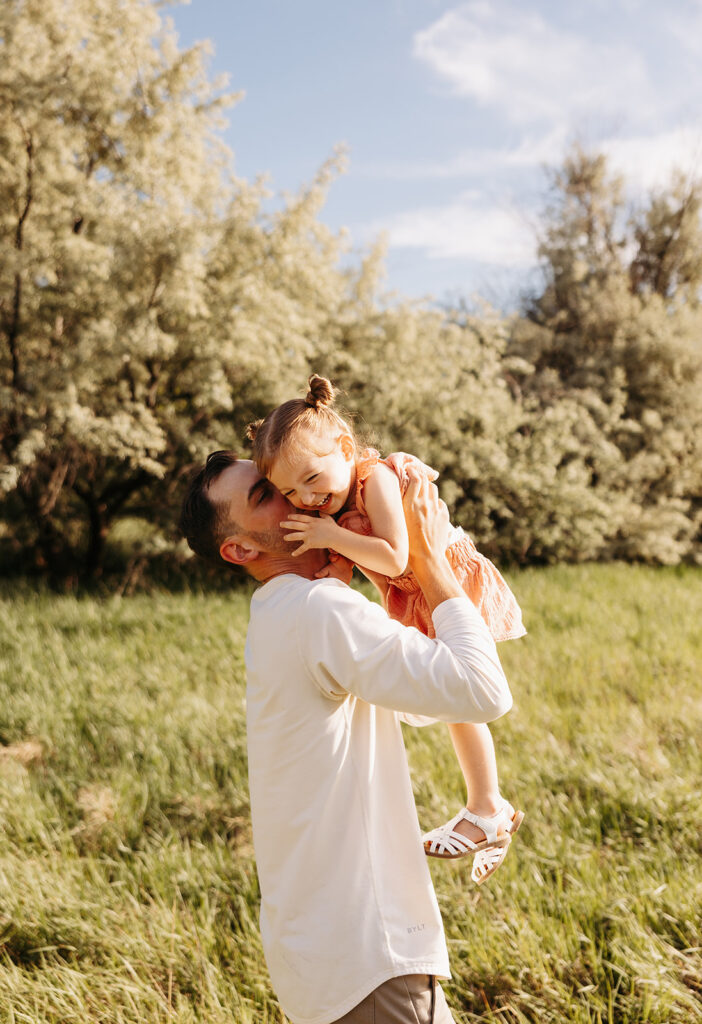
(281, 426)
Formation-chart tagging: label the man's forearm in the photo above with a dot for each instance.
(427, 529)
(436, 578)
(352, 646)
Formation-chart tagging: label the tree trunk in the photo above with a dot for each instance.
(98, 525)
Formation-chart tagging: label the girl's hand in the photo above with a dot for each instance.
(313, 531)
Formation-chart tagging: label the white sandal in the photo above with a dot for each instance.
(486, 862)
(446, 843)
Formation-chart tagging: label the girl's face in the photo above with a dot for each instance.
(313, 477)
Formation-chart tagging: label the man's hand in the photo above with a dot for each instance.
(427, 526)
(316, 531)
(338, 569)
(427, 518)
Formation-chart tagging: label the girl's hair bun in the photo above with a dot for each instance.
(252, 429)
(321, 392)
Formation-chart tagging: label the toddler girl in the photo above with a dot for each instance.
(310, 454)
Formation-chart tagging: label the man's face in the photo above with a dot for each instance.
(255, 505)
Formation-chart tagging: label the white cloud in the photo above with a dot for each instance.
(467, 228)
(684, 23)
(505, 57)
(532, 152)
(608, 93)
(644, 161)
(473, 227)
(647, 162)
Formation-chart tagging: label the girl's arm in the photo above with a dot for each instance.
(385, 552)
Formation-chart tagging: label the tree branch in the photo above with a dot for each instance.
(50, 494)
(14, 324)
(114, 495)
(154, 369)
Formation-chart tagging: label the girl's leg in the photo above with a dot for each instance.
(476, 756)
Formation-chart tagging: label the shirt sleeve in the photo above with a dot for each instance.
(351, 646)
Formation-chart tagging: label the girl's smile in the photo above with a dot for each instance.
(323, 504)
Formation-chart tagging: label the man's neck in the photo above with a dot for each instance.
(267, 567)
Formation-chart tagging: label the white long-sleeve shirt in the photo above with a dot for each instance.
(346, 896)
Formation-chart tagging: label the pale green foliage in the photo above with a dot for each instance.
(419, 381)
(151, 304)
(148, 308)
(573, 431)
(109, 175)
(109, 178)
(667, 234)
(615, 337)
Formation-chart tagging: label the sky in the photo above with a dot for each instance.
(452, 115)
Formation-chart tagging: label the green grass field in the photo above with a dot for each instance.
(128, 889)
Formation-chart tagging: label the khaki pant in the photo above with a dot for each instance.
(410, 999)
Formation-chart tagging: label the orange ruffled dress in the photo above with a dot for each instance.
(479, 578)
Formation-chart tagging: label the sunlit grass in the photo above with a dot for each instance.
(128, 890)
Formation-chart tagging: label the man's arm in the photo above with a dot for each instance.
(351, 646)
(427, 527)
(427, 522)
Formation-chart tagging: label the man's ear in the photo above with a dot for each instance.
(233, 551)
(348, 448)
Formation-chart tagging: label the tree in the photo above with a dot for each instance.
(148, 307)
(616, 330)
(151, 304)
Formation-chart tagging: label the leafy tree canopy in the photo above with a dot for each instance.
(152, 303)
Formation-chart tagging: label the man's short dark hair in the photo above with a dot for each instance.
(204, 523)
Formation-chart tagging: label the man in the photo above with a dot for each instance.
(349, 920)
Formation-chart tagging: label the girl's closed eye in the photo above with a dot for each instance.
(308, 480)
